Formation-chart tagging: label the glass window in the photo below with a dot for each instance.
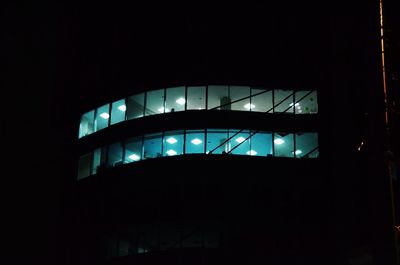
(196, 97)
(191, 236)
(84, 166)
(150, 239)
(118, 109)
(283, 100)
(111, 245)
(306, 144)
(175, 99)
(237, 93)
(115, 152)
(261, 144)
(133, 150)
(135, 106)
(155, 102)
(215, 137)
(143, 239)
(169, 236)
(211, 235)
(102, 117)
(262, 102)
(87, 124)
(96, 160)
(283, 145)
(152, 145)
(123, 247)
(218, 96)
(306, 102)
(173, 143)
(239, 142)
(194, 142)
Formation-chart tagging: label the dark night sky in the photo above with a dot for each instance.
(64, 57)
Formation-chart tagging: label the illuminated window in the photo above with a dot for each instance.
(238, 93)
(175, 99)
(283, 145)
(307, 102)
(115, 155)
(86, 125)
(96, 160)
(84, 166)
(194, 142)
(152, 145)
(261, 102)
(118, 110)
(102, 117)
(239, 142)
(261, 144)
(196, 97)
(155, 102)
(218, 96)
(216, 137)
(135, 106)
(133, 150)
(283, 101)
(306, 145)
(173, 143)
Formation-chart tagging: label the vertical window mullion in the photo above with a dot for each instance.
(109, 111)
(94, 129)
(162, 143)
(165, 97)
(142, 149)
(294, 145)
(145, 104)
(186, 97)
(273, 101)
(273, 143)
(251, 95)
(205, 141)
(294, 102)
(184, 141)
(206, 97)
(126, 113)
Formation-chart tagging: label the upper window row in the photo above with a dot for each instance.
(240, 98)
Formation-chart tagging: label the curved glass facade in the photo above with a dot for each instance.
(200, 141)
(212, 97)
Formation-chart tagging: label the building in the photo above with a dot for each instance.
(210, 151)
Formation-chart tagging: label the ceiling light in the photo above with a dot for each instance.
(122, 107)
(279, 141)
(171, 152)
(196, 141)
(161, 110)
(171, 140)
(105, 115)
(134, 157)
(251, 153)
(240, 139)
(249, 106)
(298, 152)
(297, 104)
(180, 101)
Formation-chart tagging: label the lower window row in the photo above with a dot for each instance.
(204, 141)
(147, 238)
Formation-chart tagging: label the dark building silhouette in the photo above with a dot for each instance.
(213, 135)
